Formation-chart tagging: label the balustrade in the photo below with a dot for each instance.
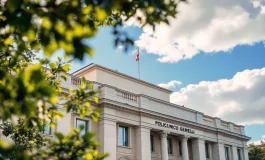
(127, 96)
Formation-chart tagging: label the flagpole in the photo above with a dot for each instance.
(139, 63)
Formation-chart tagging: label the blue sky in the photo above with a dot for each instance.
(202, 67)
(214, 59)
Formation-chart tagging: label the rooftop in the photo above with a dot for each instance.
(93, 66)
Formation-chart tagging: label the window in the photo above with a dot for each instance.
(207, 150)
(123, 136)
(152, 143)
(239, 154)
(227, 153)
(84, 123)
(180, 151)
(169, 146)
(46, 129)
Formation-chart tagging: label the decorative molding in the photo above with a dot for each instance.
(142, 112)
(163, 134)
(184, 138)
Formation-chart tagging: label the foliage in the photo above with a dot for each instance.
(31, 90)
(256, 154)
(71, 146)
(251, 145)
(77, 100)
(24, 138)
(64, 23)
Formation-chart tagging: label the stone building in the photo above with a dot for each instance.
(139, 122)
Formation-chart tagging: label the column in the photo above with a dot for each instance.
(198, 149)
(218, 151)
(245, 153)
(234, 153)
(164, 151)
(143, 150)
(184, 148)
(108, 138)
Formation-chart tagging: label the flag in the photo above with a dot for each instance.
(137, 56)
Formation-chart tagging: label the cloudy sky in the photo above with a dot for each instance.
(212, 56)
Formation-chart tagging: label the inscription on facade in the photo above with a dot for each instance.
(175, 127)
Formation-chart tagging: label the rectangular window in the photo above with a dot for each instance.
(152, 143)
(227, 153)
(46, 129)
(239, 154)
(123, 136)
(169, 146)
(84, 123)
(207, 153)
(180, 150)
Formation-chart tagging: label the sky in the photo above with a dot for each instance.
(212, 56)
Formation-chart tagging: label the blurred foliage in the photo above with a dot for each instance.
(65, 23)
(24, 138)
(256, 154)
(71, 146)
(30, 86)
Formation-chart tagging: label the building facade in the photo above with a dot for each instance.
(138, 122)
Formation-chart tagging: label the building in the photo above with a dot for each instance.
(261, 146)
(139, 122)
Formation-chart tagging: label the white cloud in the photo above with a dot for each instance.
(120, 48)
(205, 25)
(240, 99)
(257, 142)
(171, 84)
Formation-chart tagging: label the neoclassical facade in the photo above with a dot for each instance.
(138, 122)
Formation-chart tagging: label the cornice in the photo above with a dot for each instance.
(171, 104)
(159, 116)
(90, 67)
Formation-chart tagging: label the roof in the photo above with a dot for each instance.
(94, 66)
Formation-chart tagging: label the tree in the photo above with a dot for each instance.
(31, 91)
(256, 154)
(24, 138)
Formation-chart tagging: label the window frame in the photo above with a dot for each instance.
(227, 153)
(43, 131)
(180, 150)
(169, 146)
(239, 154)
(87, 122)
(207, 151)
(124, 144)
(152, 143)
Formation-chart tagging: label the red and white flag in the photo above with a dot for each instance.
(137, 56)
(137, 59)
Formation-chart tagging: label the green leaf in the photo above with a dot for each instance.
(59, 135)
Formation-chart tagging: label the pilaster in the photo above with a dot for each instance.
(108, 138)
(198, 149)
(143, 151)
(231, 127)
(199, 117)
(217, 122)
(245, 153)
(218, 151)
(234, 153)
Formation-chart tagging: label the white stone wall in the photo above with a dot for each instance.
(125, 84)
